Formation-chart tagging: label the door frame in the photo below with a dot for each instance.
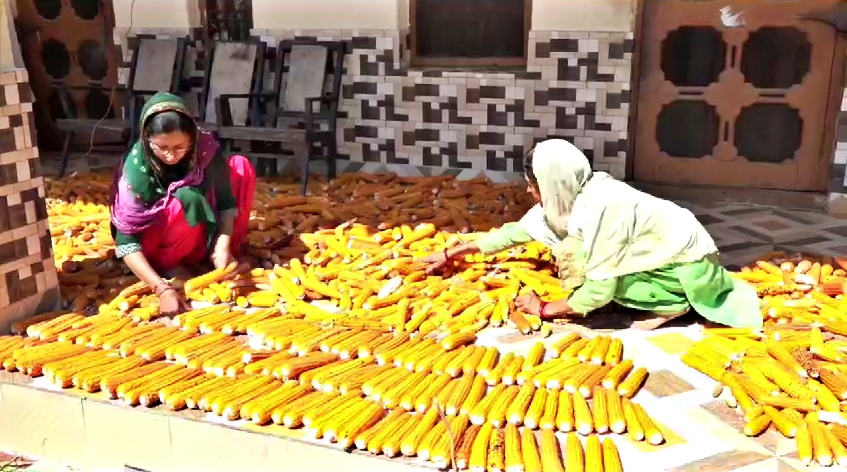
(837, 86)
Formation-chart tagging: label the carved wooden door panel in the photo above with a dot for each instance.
(743, 105)
(68, 42)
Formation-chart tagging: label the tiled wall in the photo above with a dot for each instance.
(575, 85)
(28, 282)
(837, 198)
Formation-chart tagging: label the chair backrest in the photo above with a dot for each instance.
(233, 68)
(306, 76)
(307, 70)
(157, 65)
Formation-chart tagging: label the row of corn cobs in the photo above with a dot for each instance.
(82, 242)
(790, 375)
(382, 371)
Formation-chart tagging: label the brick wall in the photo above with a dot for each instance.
(28, 281)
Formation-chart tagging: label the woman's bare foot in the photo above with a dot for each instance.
(651, 321)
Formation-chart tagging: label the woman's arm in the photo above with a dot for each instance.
(142, 269)
(507, 236)
(591, 295)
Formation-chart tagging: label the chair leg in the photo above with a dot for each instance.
(304, 169)
(331, 159)
(66, 153)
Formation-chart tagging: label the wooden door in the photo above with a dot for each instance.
(743, 105)
(68, 42)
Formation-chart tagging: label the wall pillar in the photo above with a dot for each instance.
(28, 280)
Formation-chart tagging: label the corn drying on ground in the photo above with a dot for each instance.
(338, 330)
(791, 375)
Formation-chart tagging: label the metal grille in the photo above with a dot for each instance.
(229, 20)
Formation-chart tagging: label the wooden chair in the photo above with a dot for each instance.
(235, 68)
(156, 66)
(299, 116)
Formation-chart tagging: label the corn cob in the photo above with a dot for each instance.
(633, 423)
(480, 410)
(651, 432)
(782, 355)
(379, 430)
(291, 415)
(583, 421)
(629, 387)
(529, 451)
(615, 376)
(822, 451)
(551, 454)
(477, 461)
(534, 412)
(534, 357)
(600, 410)
(511, 371)
(410, 442)
(615, 352)
(500, 404)
(464, 449)
(593, 454)
(496, 459)
(558, 347)
(463, 388)
(611, 458)
(785, 426)
(445, 447)
(805, 447)
(519, 407)
(839, 452)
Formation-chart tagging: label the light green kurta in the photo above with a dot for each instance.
(703, 285)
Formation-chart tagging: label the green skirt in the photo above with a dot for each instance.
(704, 285)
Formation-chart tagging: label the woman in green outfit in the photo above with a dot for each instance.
(616, 243)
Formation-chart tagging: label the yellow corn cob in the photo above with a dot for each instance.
(499, 406)
(551, 410)
(586, 387)
(615, 376)
(380, 429)
(783, 355)
(614, 405)
(477, 461)
(835, 382)
(480, 410)
(447, 445)
(409, 445)
(574, 454)
(651, 432)
(707, 367)
(565, 415)
(583, 421)
(486, 363)
(785, 426)
(820, 445)
(824, 396)
(519, 407)
(629, 387)
(291, 415)
(425, 399)
(738, 392)
(839, 452)
(532, 417)
(584, 354)
(572, 351)
(511, 371)
(529, 452)
(615, 352)
(633, 423)
(600, 410)
(757, 425)
(593, 454)
(457, 396)
(611, 458)
(558, 347)
(534, 357)
(816, 343)
(598, 352)
(805, 448)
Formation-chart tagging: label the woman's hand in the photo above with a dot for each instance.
(529, 304)
(221, 258)
(171, 303)
(436, 261)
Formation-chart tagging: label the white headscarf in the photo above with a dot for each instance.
(616, 229)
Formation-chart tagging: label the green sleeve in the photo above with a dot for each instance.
(126, 244)
(507, 236)
(224, 198)
(593, 294)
